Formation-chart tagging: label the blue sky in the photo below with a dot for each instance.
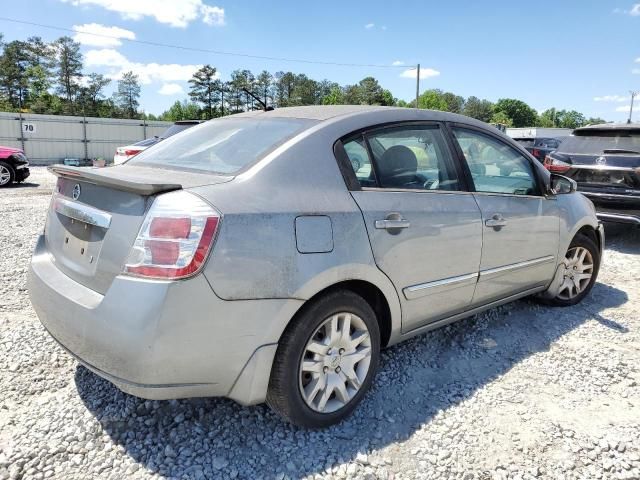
(570, 54)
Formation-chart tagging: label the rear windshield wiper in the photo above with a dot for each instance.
(618, 150)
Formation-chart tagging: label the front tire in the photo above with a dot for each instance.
(7, 174)
(326, 361)
(581, 266)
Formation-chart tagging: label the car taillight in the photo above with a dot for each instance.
(175, 238)
(555, 165)
(535, 152)
(131, 153)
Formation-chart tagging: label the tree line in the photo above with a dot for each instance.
(49, 77)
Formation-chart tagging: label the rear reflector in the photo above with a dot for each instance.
(175, 238)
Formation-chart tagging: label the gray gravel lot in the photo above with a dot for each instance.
(522, 391)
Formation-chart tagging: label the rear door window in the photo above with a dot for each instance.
(224, 146)
(414, 157)
(360, 162)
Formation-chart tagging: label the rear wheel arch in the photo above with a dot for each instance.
(372, 294)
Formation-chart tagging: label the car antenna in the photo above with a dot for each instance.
(262, 104)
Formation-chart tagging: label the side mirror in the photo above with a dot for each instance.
(561, 184)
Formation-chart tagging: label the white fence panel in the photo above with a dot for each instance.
(48, 139)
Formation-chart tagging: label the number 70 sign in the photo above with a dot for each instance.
(28, 128)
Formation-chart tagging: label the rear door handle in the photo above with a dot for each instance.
(496, 220)
(392, 224)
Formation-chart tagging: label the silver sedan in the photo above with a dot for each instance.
(269, 256)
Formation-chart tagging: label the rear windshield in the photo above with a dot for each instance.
(178, 127)
(525, 142)
(146, 142)
(547, 142)
(598, 142)
(224, 145)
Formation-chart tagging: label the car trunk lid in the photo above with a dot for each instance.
(606, 173)
(95, 216)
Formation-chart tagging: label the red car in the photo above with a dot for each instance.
(14, 166)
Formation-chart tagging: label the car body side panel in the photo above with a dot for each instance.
(419, 259)
(180, 339)
(523, 253)
(575, 211)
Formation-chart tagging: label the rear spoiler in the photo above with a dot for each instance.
(128, 180)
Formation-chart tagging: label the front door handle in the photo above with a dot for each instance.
(496, 220)
(393, 222)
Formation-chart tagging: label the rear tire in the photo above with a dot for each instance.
(582, 259)
(7, 174)
(326, 361)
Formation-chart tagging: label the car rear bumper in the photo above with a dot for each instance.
(158, 339)
(616, 208)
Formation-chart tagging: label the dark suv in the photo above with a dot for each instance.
(540, 147)
(605, 162)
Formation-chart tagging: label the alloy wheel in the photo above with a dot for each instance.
(5, 175)
(335, 362)
(578, 270)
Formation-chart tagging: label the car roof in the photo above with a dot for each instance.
(609, 126)
(329, 112)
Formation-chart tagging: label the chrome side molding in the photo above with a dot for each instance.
(81, 212)
(429, 288)
(515, 266)
(438, 286)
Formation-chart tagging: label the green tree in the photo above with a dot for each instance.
(181, 111)
(68, 69)
(521, 114)
(594, 121)
(325, 87)
(205, 89)
(284, 84)
(14, 75)
(502, 118)
(92, 94)
(388, 99)
(371, 93)
(127, 95)
(432, 100)
(570, 119)
(479, 109)
(305, 91)
(548, 118)
(263, 86)
(352, 95)
(335, 97)
(455, 103)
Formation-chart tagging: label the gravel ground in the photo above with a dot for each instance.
(521, 391)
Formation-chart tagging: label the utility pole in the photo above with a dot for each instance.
(633, 95)
(417, 84)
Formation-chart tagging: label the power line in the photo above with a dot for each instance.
(205, 50)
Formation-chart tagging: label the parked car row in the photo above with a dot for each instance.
(604, 160)
(289, 247)
(540, 147)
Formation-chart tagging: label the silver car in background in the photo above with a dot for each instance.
(269, 256)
